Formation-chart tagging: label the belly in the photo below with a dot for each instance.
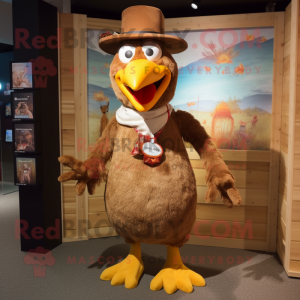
(154, 205)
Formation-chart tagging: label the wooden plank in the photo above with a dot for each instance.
(217, 22)
(68, 150)
(280, 246)
(101, 232)
(284, 140)
(295, 265)
(282, 209)
(287, 14)
(67, 68)
(295, 216)
(297, 145)
(297, 113)
(99, 192)
(240, 155)
(96, 205)
(70, 200)
(70, 208)
(276, 129)
(250, 197)
(98, 220)
(283, 160)
(66, 20)
(67, 97)
(290, 246)
(295, 250)
(295, 231)
(243, 179)
(254, 214)
(104, 24)
(235, 165)
(296, 193)
(287, 31)
(229, 229)
(70, 221)
(68, 122)
(68, 190)
(67, 82)
(285, 125)
(80, 110)
(70, 234)
(281, 227)
(68, 137)
(286, 86)
(67, 109)
(287, 49)
(228, 243)
(296, 177)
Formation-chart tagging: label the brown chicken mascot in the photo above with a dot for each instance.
(152, 199)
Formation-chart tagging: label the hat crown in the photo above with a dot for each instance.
(141, 18)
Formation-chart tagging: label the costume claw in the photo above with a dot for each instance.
(127, 271)
(175, 275)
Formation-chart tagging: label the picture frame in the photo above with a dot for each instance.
(21, 76)
(8, 109)
(25, 106)
(27, 137)
(8, 136)
(28, 170)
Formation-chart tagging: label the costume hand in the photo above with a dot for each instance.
(90, 173)
(223, 185)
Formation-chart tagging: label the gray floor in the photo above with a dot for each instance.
(263, 277)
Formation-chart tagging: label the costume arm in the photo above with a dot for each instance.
(92, 171)
(218, 177)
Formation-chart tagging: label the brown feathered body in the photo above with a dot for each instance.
(153, 205)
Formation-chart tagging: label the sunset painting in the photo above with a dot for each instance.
(225, 81)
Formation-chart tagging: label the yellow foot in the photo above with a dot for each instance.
(127, 271)
(175, 275)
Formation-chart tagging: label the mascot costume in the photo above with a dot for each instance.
(153, 199)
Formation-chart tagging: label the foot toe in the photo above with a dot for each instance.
(196, 279)
(184, 283)
(109, 273)
(156, 283)
(118, 279)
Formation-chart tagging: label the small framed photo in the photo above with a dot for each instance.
(7, 90)
(21, 75)
(8, 135)
(25, 106)
(7, 109)
(27, 137)
(28, 170)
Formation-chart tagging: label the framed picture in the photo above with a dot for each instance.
(7, 90)
(25, 106)
(8, 135)
(7, 109)
(28, 170)
(27, 137)
(21, 75)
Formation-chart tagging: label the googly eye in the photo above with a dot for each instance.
(126, 53)
(152, 50)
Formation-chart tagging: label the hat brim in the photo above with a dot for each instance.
(110, 44)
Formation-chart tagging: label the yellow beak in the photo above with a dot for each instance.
(139, 75)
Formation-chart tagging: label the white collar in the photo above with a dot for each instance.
(148, 122)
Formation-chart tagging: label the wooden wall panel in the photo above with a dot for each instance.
(255, 171)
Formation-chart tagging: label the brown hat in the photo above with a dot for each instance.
(142, 22)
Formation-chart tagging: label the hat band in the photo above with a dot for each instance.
(141, 32)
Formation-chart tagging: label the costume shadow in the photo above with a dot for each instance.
(265, 269)
(154, 263)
